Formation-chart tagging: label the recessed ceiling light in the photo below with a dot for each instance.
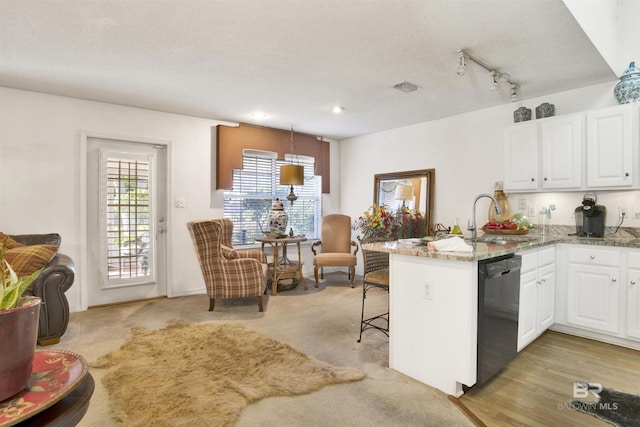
(259, 115)
(338, 109)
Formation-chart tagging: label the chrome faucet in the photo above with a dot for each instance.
(472, 227)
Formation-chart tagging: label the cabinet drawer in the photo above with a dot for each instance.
(529, 261)
(547, 256)
(595, 256)
(634, 259)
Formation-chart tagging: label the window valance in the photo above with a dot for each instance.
(231, 141)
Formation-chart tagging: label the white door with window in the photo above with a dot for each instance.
(126, 221)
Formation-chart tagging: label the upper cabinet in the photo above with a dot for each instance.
(544, 154)
(592, 150)
(521, 154)
(610, 147)
(561, 155)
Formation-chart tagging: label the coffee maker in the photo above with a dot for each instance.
(590, 217)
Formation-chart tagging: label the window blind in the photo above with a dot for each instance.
(256, 186)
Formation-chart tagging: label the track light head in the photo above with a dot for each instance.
(462, 67)
(514, 92)
(493, 85)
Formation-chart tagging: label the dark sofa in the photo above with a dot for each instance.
(50, 286)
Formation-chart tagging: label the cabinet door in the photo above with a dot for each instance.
(546, 297)
(593, 297)
(521, 157)
(562, 152)
(527, 329)
(633, 303)
(610, 148)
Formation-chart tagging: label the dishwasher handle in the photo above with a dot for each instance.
(501, 266)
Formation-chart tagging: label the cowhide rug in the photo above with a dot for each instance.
(204, 374)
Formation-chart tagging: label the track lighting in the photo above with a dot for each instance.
(496, 76)
(514, 92)
(462, 67)
(493, 86)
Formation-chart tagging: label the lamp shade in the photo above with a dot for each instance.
(292, 174)
(404, 192)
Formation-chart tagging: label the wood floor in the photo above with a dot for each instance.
(534, 388)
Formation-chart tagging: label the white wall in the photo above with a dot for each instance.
(40, 163)
(612, 26)
(467, 153)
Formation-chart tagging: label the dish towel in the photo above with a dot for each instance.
(452, 244)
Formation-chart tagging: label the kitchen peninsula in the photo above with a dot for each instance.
(433, 300)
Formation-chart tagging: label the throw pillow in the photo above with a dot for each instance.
(26, 260)
(11, 243)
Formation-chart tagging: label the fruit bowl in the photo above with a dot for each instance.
(504, 232)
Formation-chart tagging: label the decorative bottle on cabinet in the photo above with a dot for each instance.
(278, 219)
(628, 88)
(503, 203)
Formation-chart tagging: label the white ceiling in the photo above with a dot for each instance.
(295, 59)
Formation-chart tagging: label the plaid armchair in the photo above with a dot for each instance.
(227, 273)
(227, 232)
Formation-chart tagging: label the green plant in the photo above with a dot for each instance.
(12, 286)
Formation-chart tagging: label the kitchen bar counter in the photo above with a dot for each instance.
(433, 299)
(491, 245)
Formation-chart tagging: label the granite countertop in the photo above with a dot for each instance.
(490, 246)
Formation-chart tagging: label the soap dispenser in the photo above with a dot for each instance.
(456, 229)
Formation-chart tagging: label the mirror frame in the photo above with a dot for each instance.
(430, 174)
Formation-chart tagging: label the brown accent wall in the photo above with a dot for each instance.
(232, 140)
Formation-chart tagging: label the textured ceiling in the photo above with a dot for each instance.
(295, 60)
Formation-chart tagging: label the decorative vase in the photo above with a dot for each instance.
(522, 114)
(278, 219)
(545, 110)
(18, 335)
(503, 203)
(628, 88)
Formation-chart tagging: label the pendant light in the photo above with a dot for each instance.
(291, 175)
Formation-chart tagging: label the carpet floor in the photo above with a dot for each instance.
(322, 323)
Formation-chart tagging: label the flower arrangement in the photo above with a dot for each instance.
(378, 222)
(375, 223)
(410, 223)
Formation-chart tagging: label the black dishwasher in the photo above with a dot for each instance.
(498, 304)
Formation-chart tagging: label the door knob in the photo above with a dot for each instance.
(614, 280)
(633, 282)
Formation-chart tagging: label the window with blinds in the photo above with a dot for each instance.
(257, 185)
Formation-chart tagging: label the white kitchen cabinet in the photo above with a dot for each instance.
(537, 294)
(545, 154)
(562, 142)
(633, 295)
(521, 157)
(611, 144)
(593, 288)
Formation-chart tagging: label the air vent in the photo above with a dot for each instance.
(406, 87)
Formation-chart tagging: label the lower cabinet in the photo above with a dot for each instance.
(537, 294)
(593, 288)
(633, 295)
